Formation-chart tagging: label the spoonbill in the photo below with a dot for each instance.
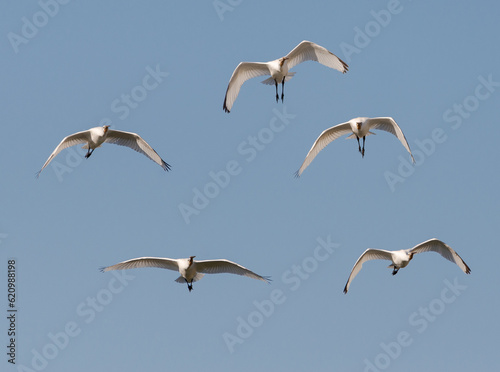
(402, 257)
(95, 137)
(278, 69)
(190, 270)
(359, 128)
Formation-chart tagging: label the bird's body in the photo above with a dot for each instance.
(190, 270)
(357, 128)
(187, 269)
(279, 69)
(95, 137)
(402, 258)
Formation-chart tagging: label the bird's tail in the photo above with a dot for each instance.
(354, 136)
(271, 81)
(197, 277)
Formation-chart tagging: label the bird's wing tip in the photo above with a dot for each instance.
(166, 167)
(102, 269)
(268, 279)
(297, 174)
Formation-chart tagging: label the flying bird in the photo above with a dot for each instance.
(95, 137)
(278, 69)
(358, 128)
(403, 257)
(190, 270)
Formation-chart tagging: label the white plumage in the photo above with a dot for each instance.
(403, 257)
(358, 128)
(95, 137)
(190, 270)
(278, 69)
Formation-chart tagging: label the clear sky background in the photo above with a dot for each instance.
(432, 66)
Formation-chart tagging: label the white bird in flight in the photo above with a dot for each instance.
(359, 128)
(95, 137)
(403, 257)
(278, 69)
(190, 270)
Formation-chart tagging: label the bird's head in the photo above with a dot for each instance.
(282, 60)
(191, 260)
(358, 125)
(410, 256)
(105, 127)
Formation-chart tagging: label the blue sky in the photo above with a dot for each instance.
(161, 70)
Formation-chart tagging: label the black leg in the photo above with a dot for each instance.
(359, 146)
(277, 97)
(282, 89)
(89, 152)
(363, 151)
(395, 271)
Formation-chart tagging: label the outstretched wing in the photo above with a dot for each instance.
(322, 141)
(243, 72)
(162, 263)
(369, 254)
(71, 140)
(225, 266)
(389, 125)
(309, 51)
(135, 142)
(435, 245)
